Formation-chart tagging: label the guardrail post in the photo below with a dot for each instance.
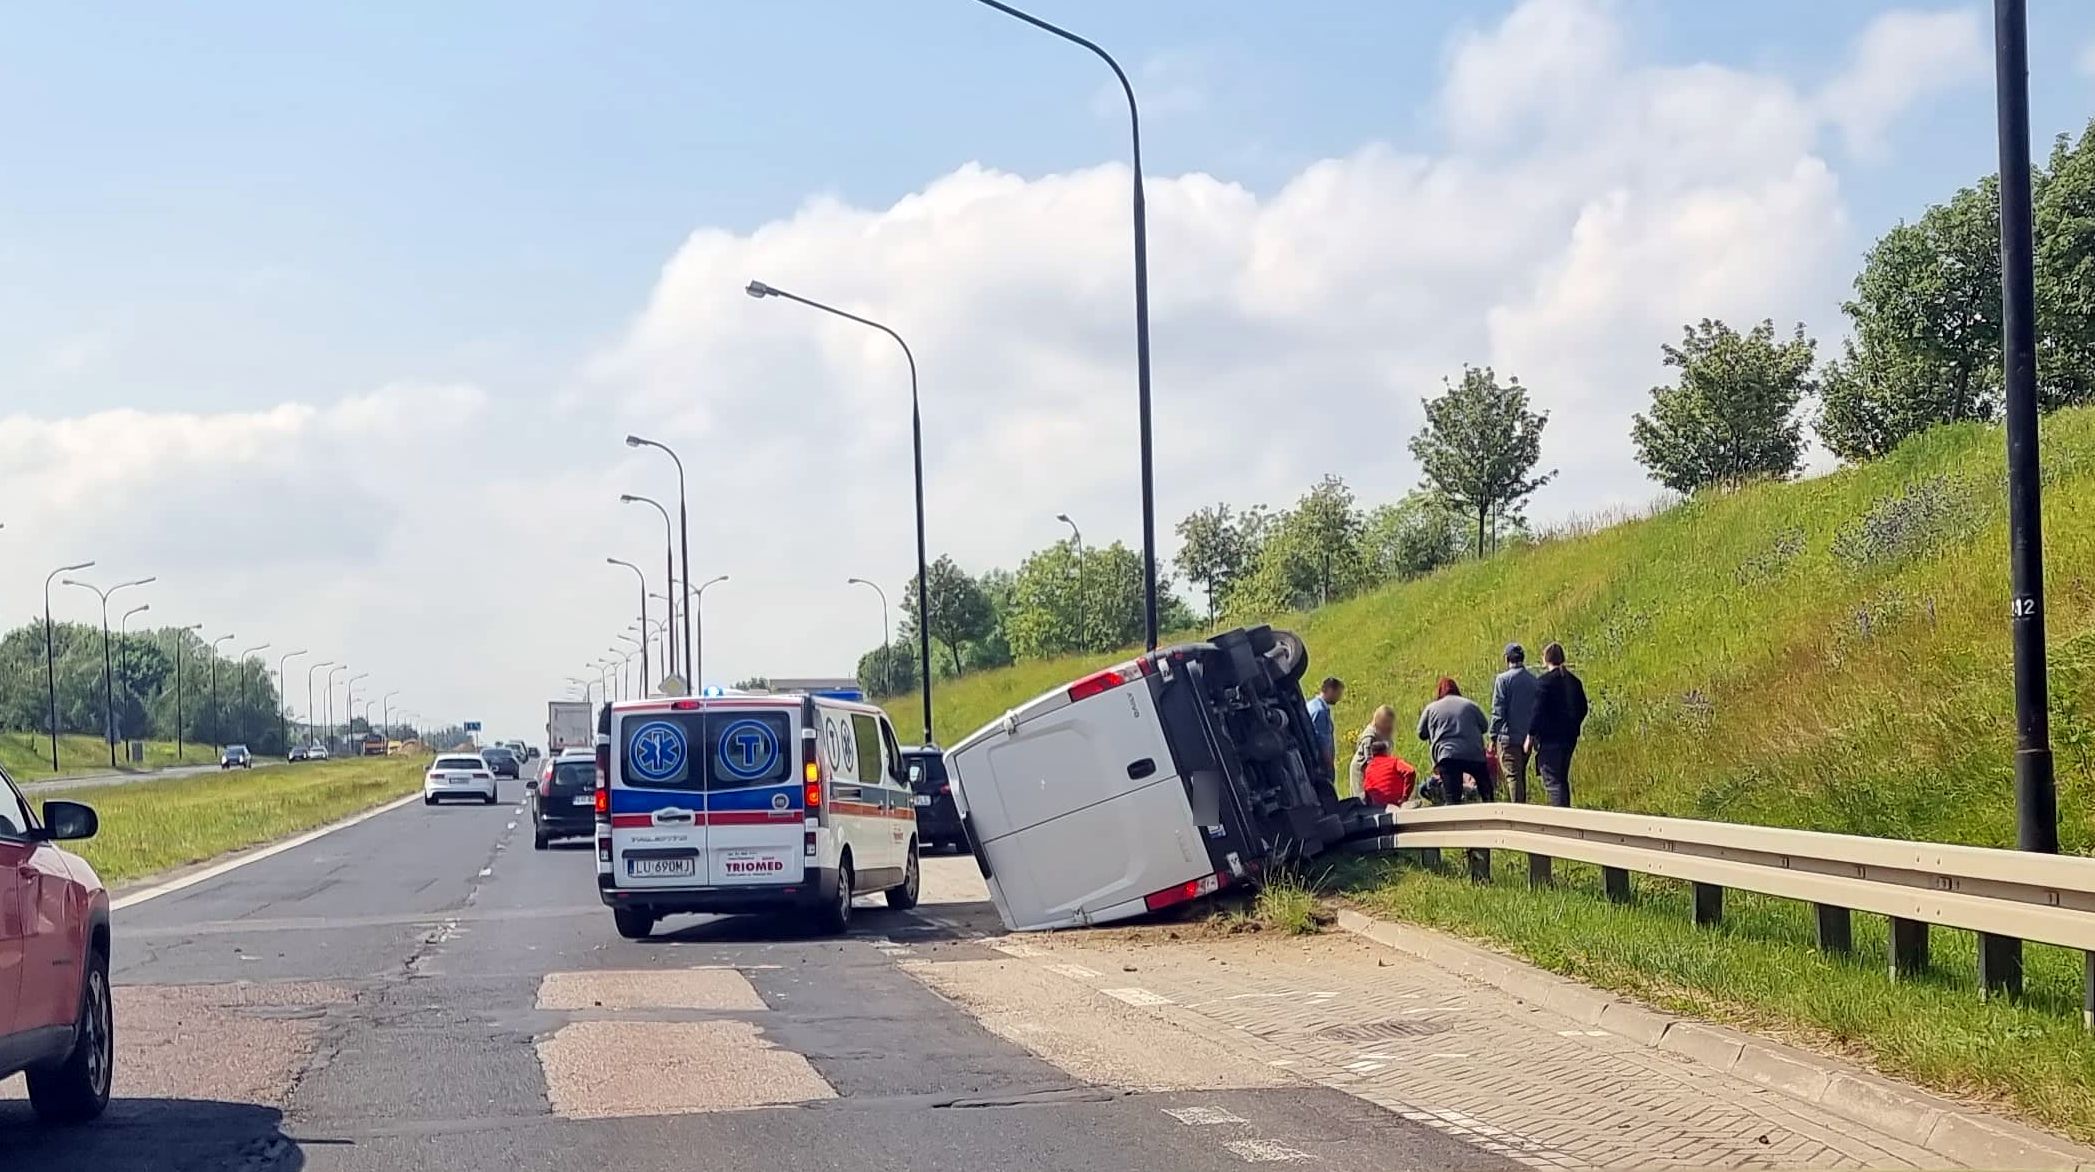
(1538, 872)
(1909, 947)
(1479, 866)
(1428, 857)
(1836, 929)
(1709, 904)
(1616, 881)
(2000, 966)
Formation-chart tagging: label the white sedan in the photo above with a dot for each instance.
(458, 776)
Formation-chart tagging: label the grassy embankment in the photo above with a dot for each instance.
(1831, 654)
(27, 756)
(152, 826)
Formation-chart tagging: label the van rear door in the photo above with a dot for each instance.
(1077, 808)
(657, 800)
(754, 810)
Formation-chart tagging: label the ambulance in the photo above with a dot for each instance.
(751, 803)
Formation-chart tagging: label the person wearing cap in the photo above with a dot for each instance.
(1512, 712)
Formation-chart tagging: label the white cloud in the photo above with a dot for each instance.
(1902, 58)
(1580, 214)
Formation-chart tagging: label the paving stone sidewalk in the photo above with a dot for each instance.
(1465, 1057)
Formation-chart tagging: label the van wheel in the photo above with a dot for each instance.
(539, 840)
(78, 1091)
(904, 897)
(835, 919)
(633, 923)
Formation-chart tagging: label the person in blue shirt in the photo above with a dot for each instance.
(1512, 712)
(1325, 767)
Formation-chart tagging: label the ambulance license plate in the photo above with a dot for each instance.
(661, 868)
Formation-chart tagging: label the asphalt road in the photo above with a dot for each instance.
(425, 991)
(98, 780)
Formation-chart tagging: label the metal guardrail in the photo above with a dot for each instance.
(2005, 896)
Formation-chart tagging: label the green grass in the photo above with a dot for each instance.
(1740, 668)
(27, 756)
(1759, 970)
(153, 826)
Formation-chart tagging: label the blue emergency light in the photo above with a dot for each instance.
(853, 694)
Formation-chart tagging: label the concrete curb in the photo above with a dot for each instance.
(1964, 1134)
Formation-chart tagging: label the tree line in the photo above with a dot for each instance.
(143, 687)
(1924, 349)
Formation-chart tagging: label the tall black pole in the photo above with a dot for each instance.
(645, 676)
(108, 687)
(2036, 802)
(684, 551)
(1149, 501)
(178, 696)
(217, 713)
(51, 655)
(669, 578)
(760, 290)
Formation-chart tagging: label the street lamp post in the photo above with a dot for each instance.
(51, 654)
(123, 635)
(683, 527)
(698, 613)
(760, 290)
(349, 697)
(1077, 545)
(283, 721)
(330, 697)
(640, 648)
(240, 685)
(887, 671)
(108, 683)
(385, 717)
(585, 685)
(1149, 499)
(669, 568)
(180, 653)
(644, 676)
(218, 712)
(311, 713)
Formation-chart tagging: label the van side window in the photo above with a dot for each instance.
(904, 773)
(866, 732)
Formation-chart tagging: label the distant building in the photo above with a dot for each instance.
(815, 684)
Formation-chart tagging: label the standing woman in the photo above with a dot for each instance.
(1454, 726)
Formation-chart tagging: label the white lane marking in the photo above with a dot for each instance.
(1582, 1033)
(1264, 1151)
(486, 871)
(1382, 1057)
(1075, 971)
(1022, 951)
(1137, 996)
(1447, 1055)
(1202, 1116)
(213, 872)
(1366, 1067)
(512, 824)
(1281, 1062)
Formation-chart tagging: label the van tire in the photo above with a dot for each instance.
(539, 841)
(78, 1090)
(904, 897)
(835, 919)
(633, 923)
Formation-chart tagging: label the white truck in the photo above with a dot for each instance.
(569, 725)
(1148, 784)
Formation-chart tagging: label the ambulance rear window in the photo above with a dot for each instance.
(745, 748)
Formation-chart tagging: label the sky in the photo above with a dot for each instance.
(333, 317)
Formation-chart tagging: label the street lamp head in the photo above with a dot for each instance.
(626, 498)
(75, 566)
(634, 441)
(137, 582)
(856, 582)
(1064, 518)
(760, 290)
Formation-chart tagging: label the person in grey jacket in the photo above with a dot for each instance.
(1512, 712)
(1454, 726)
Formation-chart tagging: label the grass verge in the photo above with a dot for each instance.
(1760, 970)
(27, 756)
(153, 826)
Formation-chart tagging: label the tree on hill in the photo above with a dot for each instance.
(1479, 448)
(1732, 415)
(889, 670)
(1307, 556)
(1926, 322)
(1411, 538)
(1217, 547)
(959, 612)
(1064, 600)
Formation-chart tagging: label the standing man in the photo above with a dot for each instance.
(1512, 712)
(1560, 711)
(1320, 706)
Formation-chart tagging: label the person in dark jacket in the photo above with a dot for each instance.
(1560, 711)
(1512, 710)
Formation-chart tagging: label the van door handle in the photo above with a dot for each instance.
(1141, 769)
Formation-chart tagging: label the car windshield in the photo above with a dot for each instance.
(459, 763)
(491, 754)
(236, 748)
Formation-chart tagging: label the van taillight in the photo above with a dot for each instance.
(603, 764)
(1109, 679)
(603, 802)
(811, 769)
(1184, 892)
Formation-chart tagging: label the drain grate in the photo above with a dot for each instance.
(1376, 1031)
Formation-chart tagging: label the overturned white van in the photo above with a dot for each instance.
(1146, 785)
